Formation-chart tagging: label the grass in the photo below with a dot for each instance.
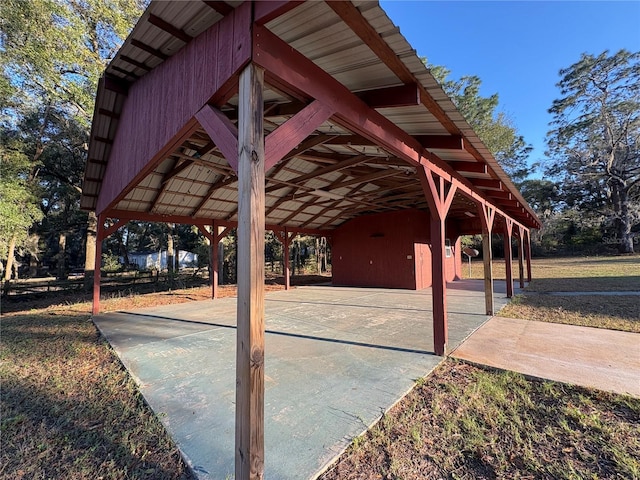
(70, 410)
(466, 422)
(577, 274)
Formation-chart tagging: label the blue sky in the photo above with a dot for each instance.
(516, 47)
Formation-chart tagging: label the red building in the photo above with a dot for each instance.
(391, 250)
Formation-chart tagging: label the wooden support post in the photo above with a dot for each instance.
(249, 448)
(95, 309)
(439, 199)
(439, 286)
(457, 254)
(508, 255)
(285, 254)
(521, 255)
(527, 247)
(214, 259)
(487, 216)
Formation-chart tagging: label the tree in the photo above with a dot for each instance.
(495, 129)
(594, 146)
(19, 206)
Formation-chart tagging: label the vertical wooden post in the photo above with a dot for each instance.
(439, 200)
(95, 308)
(487, 216)
(249, 449)
(457, 257)
(521, 255)
(439, 285)
(508, 255)
(527, 247)
(214, 259)
(285, 254)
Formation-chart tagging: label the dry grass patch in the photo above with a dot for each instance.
(464, 422)
(69, 409)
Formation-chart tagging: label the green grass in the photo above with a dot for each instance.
(467, 422)
(576, 274)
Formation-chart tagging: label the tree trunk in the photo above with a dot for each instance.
(90, 250)
(10, 258)
(620, 200)
(62, 257)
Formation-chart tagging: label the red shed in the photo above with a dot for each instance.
(391, 250)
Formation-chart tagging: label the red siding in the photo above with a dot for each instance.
(161, 103)
(390, 250)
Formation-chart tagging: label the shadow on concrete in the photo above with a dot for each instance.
(288, 334)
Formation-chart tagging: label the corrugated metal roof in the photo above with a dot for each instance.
(205, 186)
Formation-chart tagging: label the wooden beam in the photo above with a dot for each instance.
(221, 131)
(149, 49)
(135, 63)
(288, 135)
(358, 140)
(487, 183)
(251, 227)
(108, 141)
(309, 143)
(222, 8)
(441, 142)
(361, 27)
(368, 178)
(214, 186)
(169, 28)
(126, 73)
(300, 77)
(267, 11)
(321, 171)
(469, 167)
(350, 14)
(108, 113)
(487, 217)
(115, 84)
(501, 195)
(391, 97)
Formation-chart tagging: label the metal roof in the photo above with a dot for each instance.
(311, 189)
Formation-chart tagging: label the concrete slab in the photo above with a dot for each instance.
(336, 359)
(591, 357)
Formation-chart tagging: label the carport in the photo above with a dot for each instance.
(294, 117)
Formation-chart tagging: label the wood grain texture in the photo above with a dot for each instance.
(487, 217)
(160, 106)
(249, 452)
(439, 286)
(294, 131)
(223, 133)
